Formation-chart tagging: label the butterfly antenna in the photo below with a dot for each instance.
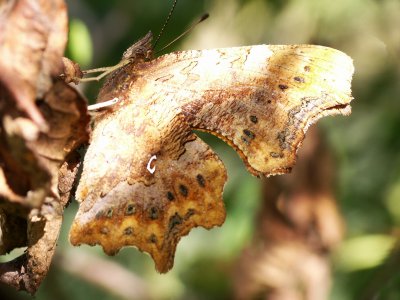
(165, 23)
(202, 18)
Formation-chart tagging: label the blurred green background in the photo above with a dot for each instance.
(366, 144)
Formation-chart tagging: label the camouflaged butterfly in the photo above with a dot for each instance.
(148, 180)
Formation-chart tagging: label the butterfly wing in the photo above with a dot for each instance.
(147, 179)
(259, 99)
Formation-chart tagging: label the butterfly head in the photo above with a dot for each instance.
(141, 50)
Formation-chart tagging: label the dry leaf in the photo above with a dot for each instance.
(147, 179)
(30, 159)
(32, 41)
(65, 111)
(42, 121)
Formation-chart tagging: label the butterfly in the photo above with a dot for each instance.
(148, 179)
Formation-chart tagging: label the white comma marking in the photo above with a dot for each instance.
(150, 168)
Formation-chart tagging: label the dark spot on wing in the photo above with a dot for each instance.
(254, 119)
(153, 213)
(175, 220)
(200, 180)
(170, 196)
(249, 133)
(183, 190)
(130, 209)
(299, 79)
(128, 230)
(153, 238)
(189, 213)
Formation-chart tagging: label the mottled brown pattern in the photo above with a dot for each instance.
(248, 96)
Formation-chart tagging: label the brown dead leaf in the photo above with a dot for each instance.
(32, 41)
(42, 122)
(30, 162)
(65, 111)
(147, 180)
(27, 271)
